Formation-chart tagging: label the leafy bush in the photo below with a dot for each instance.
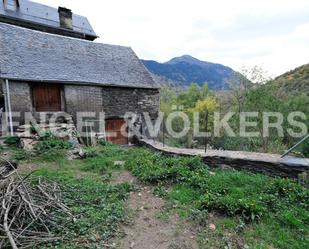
(47, 135)
(12, 141)
(155, 168)
(99, 164)
(91, 152)
(305, 148)
(52, 144)
(201, 217)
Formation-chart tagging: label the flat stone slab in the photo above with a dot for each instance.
(271, 164)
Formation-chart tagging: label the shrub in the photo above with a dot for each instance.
(52, 144)
(98, 164)
(305, 148)
(201, 217)
(47, 135)
(22, 155)
(90, 153)
(156, 168)
(12, 141)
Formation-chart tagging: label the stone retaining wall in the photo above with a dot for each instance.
(273, 166)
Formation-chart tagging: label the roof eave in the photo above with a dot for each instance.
(3, 77)
(7, 17)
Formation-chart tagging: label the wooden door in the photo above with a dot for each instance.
(116, 131)
(46, 97)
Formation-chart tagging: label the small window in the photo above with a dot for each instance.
(11, 4)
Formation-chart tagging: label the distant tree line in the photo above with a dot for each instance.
(259, 94)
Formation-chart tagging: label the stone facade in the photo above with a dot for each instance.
(20, 94)
(80, 98)
(118, 101)
(21, 101)
(114, 102)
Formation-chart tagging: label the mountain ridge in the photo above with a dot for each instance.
(183, 70)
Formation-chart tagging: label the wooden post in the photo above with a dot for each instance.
(8, 97)
(163, 139)
(141, 129)
(206, 128)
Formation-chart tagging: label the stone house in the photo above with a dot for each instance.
(50, 63)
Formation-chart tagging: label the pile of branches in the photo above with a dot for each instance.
(32, 211)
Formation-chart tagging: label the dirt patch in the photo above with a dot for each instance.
(146, 230)
(28, 167)
(122, 177)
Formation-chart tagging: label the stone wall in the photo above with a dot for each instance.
(21, 101)
(114, 102)
(118, 101)
(289, 168)
(20, 94)
(83, 99)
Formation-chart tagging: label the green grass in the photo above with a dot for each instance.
(248, 209)
(273, 211)
(98, 206)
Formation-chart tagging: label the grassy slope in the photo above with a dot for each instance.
(293, 82)
(248, 210)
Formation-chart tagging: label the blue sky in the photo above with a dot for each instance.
(273, 34)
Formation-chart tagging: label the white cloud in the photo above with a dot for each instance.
(273, 34)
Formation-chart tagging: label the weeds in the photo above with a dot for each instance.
(52, 144)
(262, 210)
(12, 141)
(251, 198)
(22, 155)
(98, 208)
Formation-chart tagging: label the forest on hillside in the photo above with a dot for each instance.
(285, 94)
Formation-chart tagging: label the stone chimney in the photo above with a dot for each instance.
(65, 17)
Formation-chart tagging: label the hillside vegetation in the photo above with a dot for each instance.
(286, 94)
(293, 82)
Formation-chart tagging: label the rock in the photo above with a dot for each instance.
(119, 163)
(225, 167)
(212, 227)
(76, 154)
(27, 143)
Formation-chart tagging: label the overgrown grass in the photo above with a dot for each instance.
(277, 210)
(250, 209)
(98, 206)
(102, 159)
(98, 209)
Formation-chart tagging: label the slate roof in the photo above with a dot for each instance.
(36, 56)
(45, 15)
